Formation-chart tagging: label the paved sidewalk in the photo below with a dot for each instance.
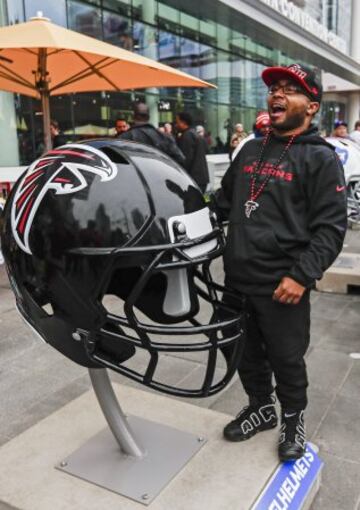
(35, 381)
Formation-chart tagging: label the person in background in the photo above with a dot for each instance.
(234, 142)
(219, 146)
(260, 128)
(121, 126)
(340, 129)
(355, 135)
(57, 138)
(238, 135)
(209, 139)
(144, 132)
(193, 148)
(168, 129)
(200, 130)
(2, 203)
(240, 132)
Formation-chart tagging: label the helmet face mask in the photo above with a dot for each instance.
(143, 242)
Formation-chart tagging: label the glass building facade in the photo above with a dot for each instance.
(333, 14)
(213, 51)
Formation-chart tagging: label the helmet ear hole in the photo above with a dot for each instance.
(115, 156)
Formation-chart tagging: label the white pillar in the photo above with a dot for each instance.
(355, 32)
(149, 16)
(354, 97)
(353, 109)
(9, 154)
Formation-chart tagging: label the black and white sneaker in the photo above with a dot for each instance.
(292, 440)
(251, 420)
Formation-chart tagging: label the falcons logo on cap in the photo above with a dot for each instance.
(60, 170)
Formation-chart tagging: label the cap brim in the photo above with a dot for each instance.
(271, 75)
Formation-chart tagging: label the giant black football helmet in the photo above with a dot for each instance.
(107, 246)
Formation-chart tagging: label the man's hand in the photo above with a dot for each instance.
(288, 291)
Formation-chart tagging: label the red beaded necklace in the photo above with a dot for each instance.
(251, 204)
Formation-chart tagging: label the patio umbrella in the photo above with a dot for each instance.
(40, 59)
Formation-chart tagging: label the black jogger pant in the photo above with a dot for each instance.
(278, 336)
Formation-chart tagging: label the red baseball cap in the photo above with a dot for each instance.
(262, 120)
(302, 75)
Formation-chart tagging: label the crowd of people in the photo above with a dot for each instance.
(189, 144)
(187, 147)
(341, 131)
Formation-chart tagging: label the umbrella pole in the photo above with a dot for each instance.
(45, 101)
(42, 84)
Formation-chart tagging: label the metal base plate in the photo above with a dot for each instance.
(100, 461)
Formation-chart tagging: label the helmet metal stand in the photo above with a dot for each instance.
(142, 459)
(113, 413)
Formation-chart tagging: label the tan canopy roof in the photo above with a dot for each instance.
(40, 59)
(77, 63)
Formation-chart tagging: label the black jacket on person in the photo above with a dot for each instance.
(298, 228)
(193, 147)
(148, 134)
(59, 140)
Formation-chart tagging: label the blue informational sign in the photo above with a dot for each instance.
(291, 483)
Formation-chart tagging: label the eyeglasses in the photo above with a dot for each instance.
(288, 89)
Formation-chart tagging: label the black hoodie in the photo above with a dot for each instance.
(298, 228)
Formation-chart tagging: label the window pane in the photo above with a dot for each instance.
(120, 105)
(189, 26)
(189, 63)
(87, 111)
(145, 40)
(15, 10)
(208, 71)
(60, 107)
(169, 50)
(207, 31)
(117, 30)
(85, 19)
(119, 6)
(145, 10)
(53, 9)
(223, 39)
(169, 54)
(168, 18)
(189, 53)
(224, 77)
(29, 129)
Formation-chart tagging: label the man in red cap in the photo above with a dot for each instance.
(285, 197)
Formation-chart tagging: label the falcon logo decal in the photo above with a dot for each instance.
(61, 170)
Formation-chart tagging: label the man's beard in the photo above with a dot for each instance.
(293, 122)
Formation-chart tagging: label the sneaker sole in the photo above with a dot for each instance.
(250, 434)
(285, 458)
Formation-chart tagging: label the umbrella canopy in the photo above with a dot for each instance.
(39, 59)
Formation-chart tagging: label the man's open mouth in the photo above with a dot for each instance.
(276, 111)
